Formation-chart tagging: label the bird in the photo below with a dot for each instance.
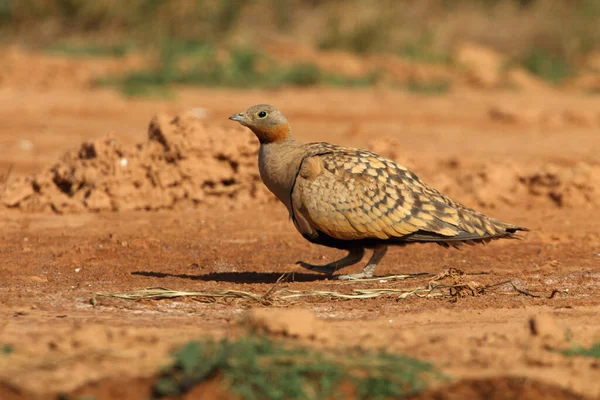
(352, 199)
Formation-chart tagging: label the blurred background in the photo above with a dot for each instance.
(426, 46)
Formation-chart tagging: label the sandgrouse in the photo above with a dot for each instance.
(354, 199)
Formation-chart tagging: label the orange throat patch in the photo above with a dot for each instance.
(273, 134)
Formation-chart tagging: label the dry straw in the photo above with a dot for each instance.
(432, 288)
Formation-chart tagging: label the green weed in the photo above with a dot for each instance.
(424, 31)
(302, 74)
(547, 65)
(6, 349)
(91, 50)
(257, 368)
(422, 50)
(197, 63)
(363, 38)
(592, 351)
(6, 11)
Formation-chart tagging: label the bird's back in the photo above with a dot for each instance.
(342, 194)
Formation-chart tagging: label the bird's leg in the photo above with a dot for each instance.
(367, 272)
(354, 256)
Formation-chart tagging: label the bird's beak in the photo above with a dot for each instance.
(237, 117)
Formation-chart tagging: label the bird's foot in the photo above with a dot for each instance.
(352, 277)
(366, 273)
(323, 269)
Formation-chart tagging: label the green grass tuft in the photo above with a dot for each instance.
(6, 349)
(91, 50)
(6, 11)
(592, 351)
(197, 63)
(547, 66)
(422, 50)
(363, 38)
(303, 74)
(257, 368)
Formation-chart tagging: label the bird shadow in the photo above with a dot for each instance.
(237, 277)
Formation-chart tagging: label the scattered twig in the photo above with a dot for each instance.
(269, 296)
(450, 272)
(163, 293)
(556, 291)
(276, 293)
(523, 291)
(386, 278)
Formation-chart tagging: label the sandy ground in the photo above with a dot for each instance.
(530, 158)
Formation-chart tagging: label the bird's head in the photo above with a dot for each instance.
(268, 123)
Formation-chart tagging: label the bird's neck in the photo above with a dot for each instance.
(278, 163)
(273, 134)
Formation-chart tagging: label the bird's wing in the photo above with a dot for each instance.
(352, 194)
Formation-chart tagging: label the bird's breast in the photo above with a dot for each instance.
(278, 165)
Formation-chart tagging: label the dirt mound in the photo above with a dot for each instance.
(183, 163)
(512, 183)
(506, 182)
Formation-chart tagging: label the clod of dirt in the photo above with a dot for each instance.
(183, 163)
(483, 64)
(505, 182)
(15, 192)
(546, 327)
(295, 323)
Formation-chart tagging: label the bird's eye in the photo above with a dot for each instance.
(262, 114)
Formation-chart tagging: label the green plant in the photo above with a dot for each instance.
(197, 63)
(362, 38)
(593, 351)
(303, 74)
(91, 50)
(547, 65)
(6, 11)
(258, 368)
(228, 14)
(6, 349)
(422, 50)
